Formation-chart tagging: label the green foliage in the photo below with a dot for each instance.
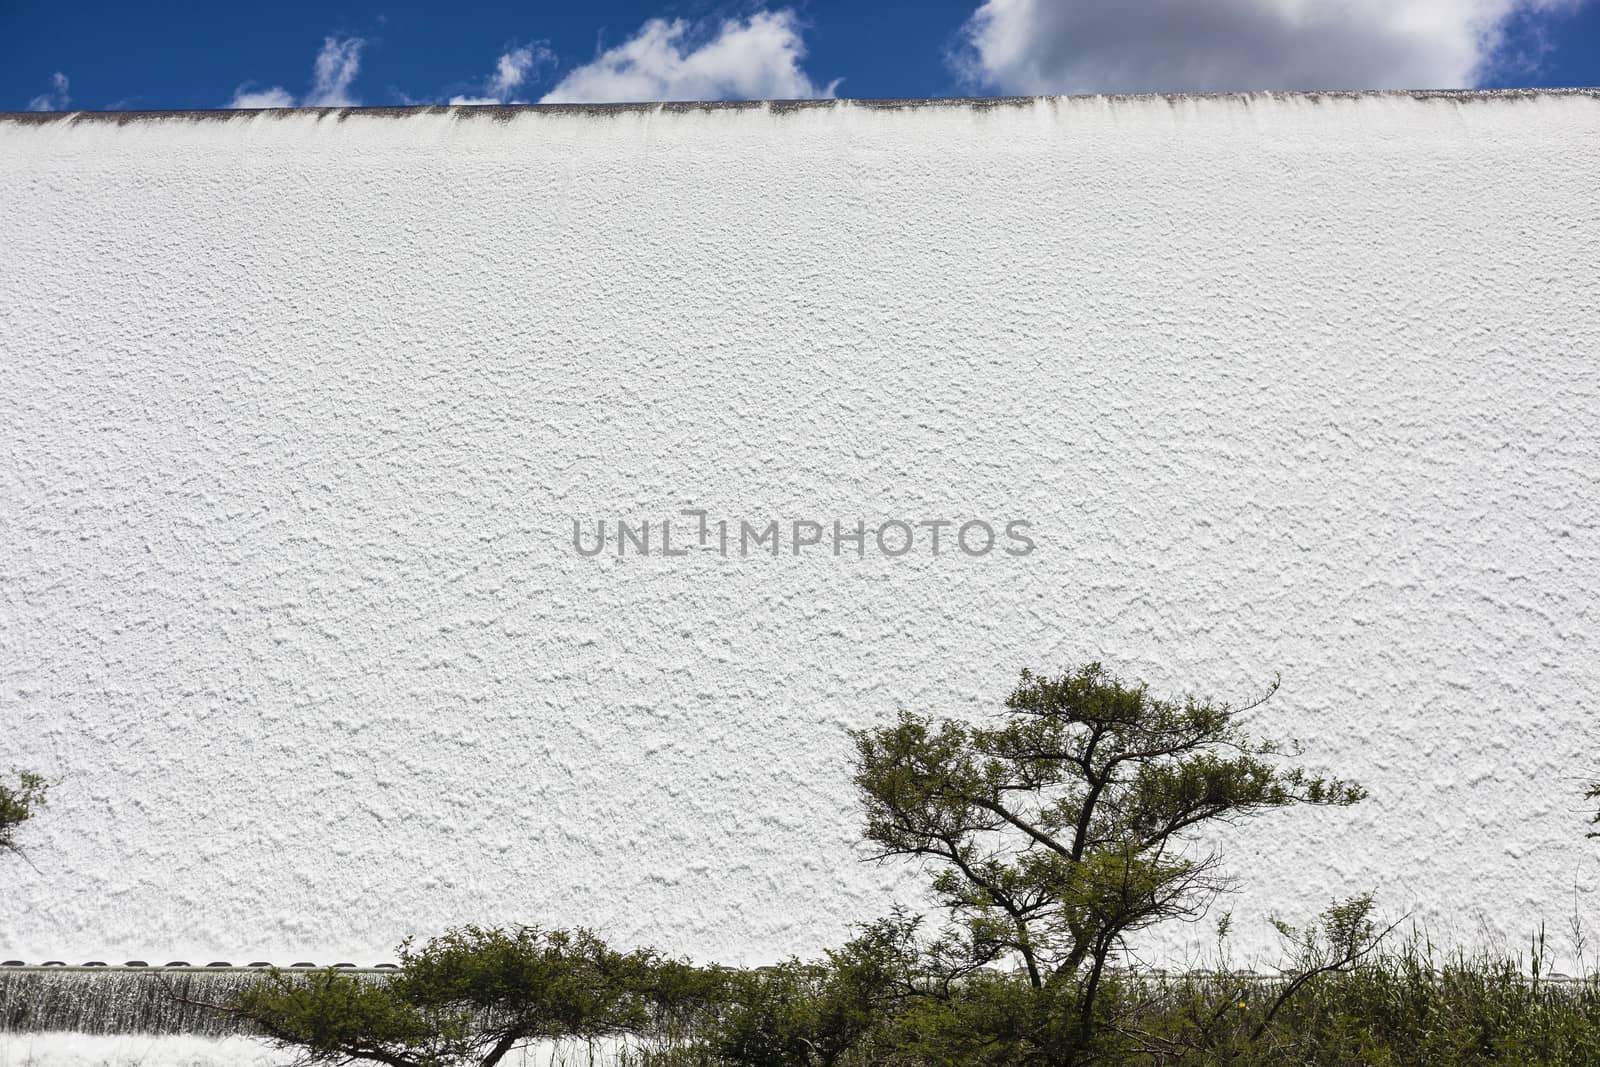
(472, 996)
(991, 1019)
(332, 1017)
(825, 1013)
(1411, 1007)
(1063, 829)
(19, 802)
(1336, 1002)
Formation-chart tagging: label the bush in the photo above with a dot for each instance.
(473, 996)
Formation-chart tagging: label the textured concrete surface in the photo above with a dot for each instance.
(298, 409)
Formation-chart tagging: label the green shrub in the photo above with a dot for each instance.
(474, 995)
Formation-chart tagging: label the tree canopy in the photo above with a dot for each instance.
(470, 996)
(1070, 823)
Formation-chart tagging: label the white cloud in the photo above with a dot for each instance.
(757, 58)
(1113, 46)
(336, 67)
(274, 97)
(332, 74)
(54, 100)
(511, 72)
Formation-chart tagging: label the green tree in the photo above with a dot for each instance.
(19, 801)
(471, 996)
(1068, 826)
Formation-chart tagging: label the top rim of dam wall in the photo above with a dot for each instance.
(504, 112)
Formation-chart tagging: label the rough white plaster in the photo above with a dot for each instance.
(295, 411)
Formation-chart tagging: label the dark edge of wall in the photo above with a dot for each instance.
(503, 112)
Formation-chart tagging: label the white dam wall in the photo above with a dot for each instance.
(297, 412)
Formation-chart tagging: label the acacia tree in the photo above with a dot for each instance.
(18, 803)
(1070, 825)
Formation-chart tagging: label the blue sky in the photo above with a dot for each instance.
(95, 56)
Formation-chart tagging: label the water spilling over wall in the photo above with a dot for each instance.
(299, 412)
(120, 1001)
(172, 1016)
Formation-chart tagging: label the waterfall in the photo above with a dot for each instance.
(123, 1000)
